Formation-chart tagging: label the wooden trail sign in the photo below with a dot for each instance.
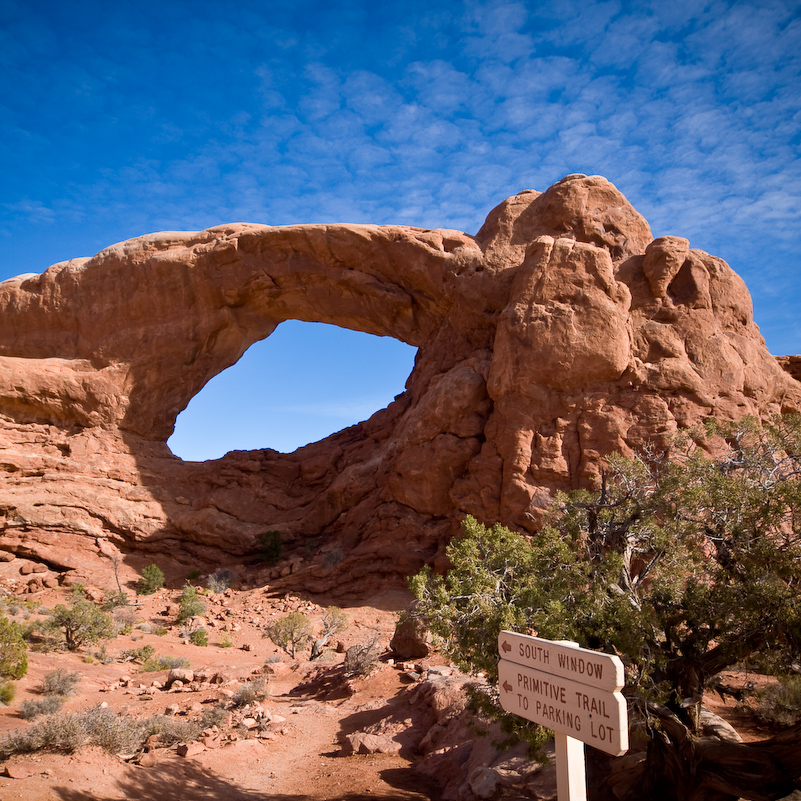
(604, 671)
(593, 716)
(572, 690)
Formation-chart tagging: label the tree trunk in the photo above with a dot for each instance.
(680, 767)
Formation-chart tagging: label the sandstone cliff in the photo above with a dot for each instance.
(559, 333)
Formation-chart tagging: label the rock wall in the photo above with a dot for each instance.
(559, 333)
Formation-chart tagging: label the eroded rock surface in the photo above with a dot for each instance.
(559, 333)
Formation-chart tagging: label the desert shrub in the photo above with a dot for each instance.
(361, 659)
(249, 692)
(213, 716)
(8, 691)
(270, 547)
(333, 557)
(114, 600)
(193, 575)
(152, 580)
(104, 656)
(191, 605)
(13, 651)
(334, 620)
(29, 631)
(199, 637)
(36, 707)
(66, 733)
(155, 662)
(780, 703)
(225, 641)
(290, 632)
(125, 617)
(220, 580)
(60, 682)
(172, 731)
(113, 732)
(138, 654)
(81, 624)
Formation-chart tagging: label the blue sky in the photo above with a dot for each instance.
(118, 119)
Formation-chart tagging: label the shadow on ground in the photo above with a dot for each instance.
(192, 782)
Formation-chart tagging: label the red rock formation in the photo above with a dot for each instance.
(559, 333)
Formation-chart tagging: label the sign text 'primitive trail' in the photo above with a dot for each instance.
(596, 717)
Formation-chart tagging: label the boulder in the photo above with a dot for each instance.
(411, 639)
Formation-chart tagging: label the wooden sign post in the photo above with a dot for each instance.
(572, 690)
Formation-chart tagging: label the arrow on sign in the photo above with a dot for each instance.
(506, 647)
(508, 687)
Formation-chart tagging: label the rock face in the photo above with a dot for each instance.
(559, 333)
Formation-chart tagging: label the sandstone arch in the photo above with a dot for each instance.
(559, 333)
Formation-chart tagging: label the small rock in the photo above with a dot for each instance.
(94, 595)
(7, 556)
(149, 759)
(184, 675)
(190, 749)
(22, 770)
(172, 709)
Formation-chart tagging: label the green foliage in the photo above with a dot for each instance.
(191, 605)
(683, 566)
(81, 624)
(152, 580)
(155, 662)
(114, 600)
(290, 632)
(780, 703)
(199, 637)
(13, 651)
(8, 691)
(225, 641)
(139, 654)
(270, 547)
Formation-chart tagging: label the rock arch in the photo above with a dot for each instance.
(559, 333)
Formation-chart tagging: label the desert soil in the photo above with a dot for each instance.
(298, 756)
(312, 706)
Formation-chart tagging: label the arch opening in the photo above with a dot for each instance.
(301, 384)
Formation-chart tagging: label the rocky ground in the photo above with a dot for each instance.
(311, 732)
